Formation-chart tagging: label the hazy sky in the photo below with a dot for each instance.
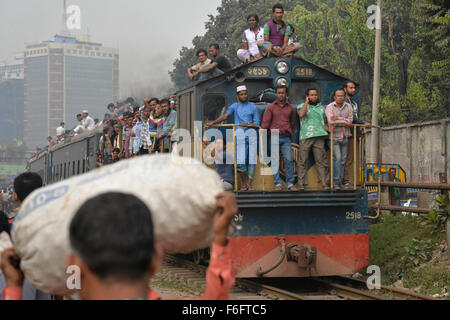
(148, 33)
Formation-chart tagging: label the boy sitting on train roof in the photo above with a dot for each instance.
(277, 34)
(250, 50)
(245, 114)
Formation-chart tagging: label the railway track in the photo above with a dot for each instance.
(330, 288)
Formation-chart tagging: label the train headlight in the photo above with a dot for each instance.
(282, 67)
(282, 82)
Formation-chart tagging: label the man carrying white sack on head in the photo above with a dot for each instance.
(117, 254)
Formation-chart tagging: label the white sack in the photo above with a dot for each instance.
(180, 193)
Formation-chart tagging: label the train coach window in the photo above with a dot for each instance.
(84, 166)
(298, 90)
(214, 105)
(60, 171)
(73, 168)
(65, 174)
(78, 167)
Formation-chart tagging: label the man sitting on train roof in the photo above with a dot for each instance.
(281, 116)
(313, 134)
(87, 122)
(202, 56)
(219, 65)
(277, 34)
(250, 50)
(246, 114)
(51, 142)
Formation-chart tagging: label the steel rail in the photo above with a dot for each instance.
(397, 291)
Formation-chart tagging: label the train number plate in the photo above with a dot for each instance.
(303, 72)
(353, 215)
(258, 72)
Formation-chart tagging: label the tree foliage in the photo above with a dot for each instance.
(415, 49)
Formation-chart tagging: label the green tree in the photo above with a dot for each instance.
(415, 48)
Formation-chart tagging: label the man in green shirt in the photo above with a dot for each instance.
(313, 133)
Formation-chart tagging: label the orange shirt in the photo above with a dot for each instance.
(219, 278)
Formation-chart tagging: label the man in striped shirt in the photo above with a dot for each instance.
(340, 118)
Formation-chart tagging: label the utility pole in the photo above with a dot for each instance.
(374, 145)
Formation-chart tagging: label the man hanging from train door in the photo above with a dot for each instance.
(350, 92)
(246, 114)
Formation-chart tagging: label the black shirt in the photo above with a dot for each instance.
(222, 63)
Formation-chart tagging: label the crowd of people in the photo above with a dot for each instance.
(138, 131)
(275, 39)
(129, 130)
(280, 117)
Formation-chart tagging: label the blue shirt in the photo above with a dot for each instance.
(244, 113)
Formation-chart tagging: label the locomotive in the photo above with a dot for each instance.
(277, 234)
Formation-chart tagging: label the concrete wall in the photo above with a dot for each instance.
(422, 149)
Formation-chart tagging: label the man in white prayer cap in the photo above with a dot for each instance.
(88, 123)
(246, 115)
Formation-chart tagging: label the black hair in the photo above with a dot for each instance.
(335, 91)
(253, 16)
(215, 45)
(201, 51)
(4, 223)
(117, 242)
(348, 82)
(277, 6)
(130, 100)
(116, 150)
(111, 105)
(26, 183)
(164, 101)
(78, 115)
(62, 123)
(282, 87)
(154, 99)
(311, 89)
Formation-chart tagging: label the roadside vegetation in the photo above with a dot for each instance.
(411, 254)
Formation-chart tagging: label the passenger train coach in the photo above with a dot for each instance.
(277, 234)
